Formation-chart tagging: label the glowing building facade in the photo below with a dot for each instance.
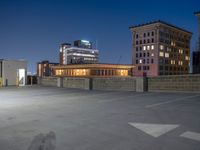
(92, 70)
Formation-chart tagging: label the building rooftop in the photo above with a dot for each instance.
(162, 22)
(99, 65)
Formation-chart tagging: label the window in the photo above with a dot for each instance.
(173, 62)
(161, 47)
(166, 55)
(152, 40)
(144, 41)
(136, 48)
(140, 41)
(136, 61)
(180, 51)
(140, 54)
(148, 47)
(136, 36)
(147, 54)
(152, 61)
(144, 34)
(187, 58)
(160, 67)
(147, 61)
(140, 61)
(144, 48)
(180, 63)
(148, 41)
(136, 54)
(139, 67)
(144, 67)
(168, 49)
(136, 42)
(144, 54)
(143, 61)
(152, 33)
(148, 34)
(152, 54)
(161, 54)
(148, 68)
(152, 47)
(140, 48)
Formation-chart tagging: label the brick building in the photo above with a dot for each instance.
(160, 48)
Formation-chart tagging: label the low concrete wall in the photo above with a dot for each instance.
(123, 84)
(48, 81)
(79, 83)
(174, 83)
(185, 83)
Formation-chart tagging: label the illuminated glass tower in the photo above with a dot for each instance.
(81, 53)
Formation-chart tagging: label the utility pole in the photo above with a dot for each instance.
(198, 15)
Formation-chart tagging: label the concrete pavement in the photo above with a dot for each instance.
(33, 118)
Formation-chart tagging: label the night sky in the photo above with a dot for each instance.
(33, 29)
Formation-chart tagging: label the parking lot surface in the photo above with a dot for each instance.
(35, 118)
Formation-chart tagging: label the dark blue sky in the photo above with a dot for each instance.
(33, 29)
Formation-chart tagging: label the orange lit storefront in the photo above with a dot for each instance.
(92, 70)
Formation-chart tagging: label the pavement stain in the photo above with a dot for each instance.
(43, 142)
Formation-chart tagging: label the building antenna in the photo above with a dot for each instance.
(96, 45)
(120, 57)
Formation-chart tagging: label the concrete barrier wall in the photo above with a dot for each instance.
(122, 84)
(48, 81)
(174, 83)
(79, 83)
(185, 83)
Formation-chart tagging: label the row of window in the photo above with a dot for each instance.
(178, 37)
(172, 73)
(144, 54)
(148, 47)
(144, 61)
(143, 67)
(177, 43)
(146, 34)
(144, 41)
(170, 68)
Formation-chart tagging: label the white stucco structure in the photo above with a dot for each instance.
(13, 72)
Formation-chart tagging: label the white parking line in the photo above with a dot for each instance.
(191, 135)
(167, 102)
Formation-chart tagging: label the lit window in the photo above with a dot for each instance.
(173, 43)
(180, 63)
(140, 61)
(173, 62)
(187, 58)
(167, 55)
(152, 47)
(161, 54)
(161, 47)
(152, 54)
(180, 51)
(144, 48)
(148, 47)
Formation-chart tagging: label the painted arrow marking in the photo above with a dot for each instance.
(154, 130)
(191, 135)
